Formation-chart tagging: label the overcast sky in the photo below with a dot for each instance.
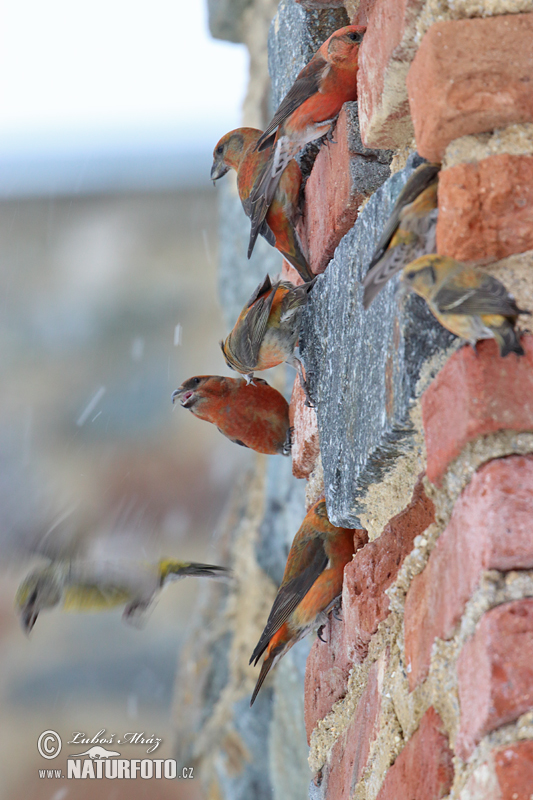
(76, 74)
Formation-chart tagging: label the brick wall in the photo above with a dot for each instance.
(424, 687)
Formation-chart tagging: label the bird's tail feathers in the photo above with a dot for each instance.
(170, 568)
(508, 340)
(299, 261)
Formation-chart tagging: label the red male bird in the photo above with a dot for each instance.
(308, 112)
(236, 150)
(311, 586)
(253, 415)
(267, 329)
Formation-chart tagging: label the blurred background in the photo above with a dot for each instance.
(109, 112)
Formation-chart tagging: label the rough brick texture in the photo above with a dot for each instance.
(344, 173)
(506, 775)
(476, 393)
(486, 208)
(328, 666)
(366, 578)
(495, 672)
(386, 54)
(350, 754)
(305, 447)
(514, 771)
(423, 770)
(288, 273)
(490, 528)
(470, 76)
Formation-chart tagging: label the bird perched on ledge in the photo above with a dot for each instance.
(85, 585)
(236, 150)
(311, 586)
(267, 330)
(308, 111)
(410, 231)
(468, 302)
(253, 415)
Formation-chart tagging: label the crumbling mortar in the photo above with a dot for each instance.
(506, 735)
(514, 140)
(334, 724)
(444, 10)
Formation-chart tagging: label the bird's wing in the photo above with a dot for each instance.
(263, 228)
(422, 177)
(489, 297)
(305, 86)
(292, 592)
(247, 344)
(261, 197)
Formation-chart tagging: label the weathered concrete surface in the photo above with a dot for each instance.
(364, 425)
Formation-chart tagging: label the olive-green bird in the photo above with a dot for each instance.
(85, 585)
(468, 302)
(410, 231)
(267, 329)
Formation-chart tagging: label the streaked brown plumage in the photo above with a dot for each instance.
(267, 329)
(468, 302)
(410, 231)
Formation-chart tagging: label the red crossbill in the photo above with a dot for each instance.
(307, 112)
(253, 415)
(267, 329)
(236, 150)
(311, 586)
(99, 585)
(410, 231)
(468, 302)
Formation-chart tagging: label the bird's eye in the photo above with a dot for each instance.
(219, 150)
(410, 275)
(355, 37)
(196, 381)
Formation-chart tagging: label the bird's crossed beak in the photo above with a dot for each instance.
(186, 397)
(218, 170)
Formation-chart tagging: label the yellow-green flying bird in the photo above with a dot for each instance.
(99, 585)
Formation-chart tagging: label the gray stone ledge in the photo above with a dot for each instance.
(364, 366)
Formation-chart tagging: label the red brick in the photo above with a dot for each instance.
(331, 199)
(386, 54)
(474, 394)
(506, 775)
(470, 76)
(486, 209)
(350, 754)
(514, 770)
(375, 567)
(288, 273)
(328, 668)
(305, 446)
(495, 673)
(424, 769)
(475, 540)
